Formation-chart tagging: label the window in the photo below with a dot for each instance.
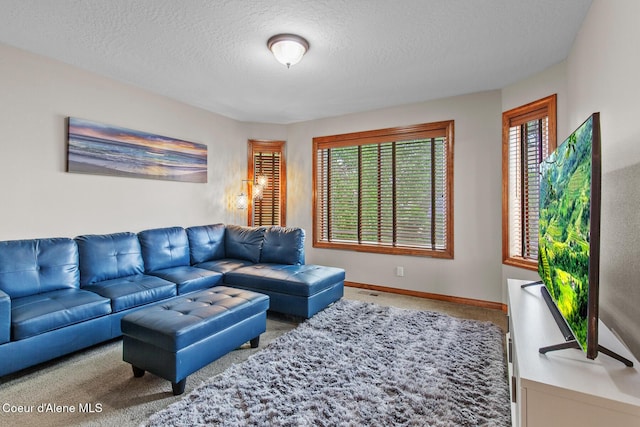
(267, 158)
(528, 137)
(385, 191)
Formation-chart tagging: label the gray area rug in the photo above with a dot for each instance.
(358, 364)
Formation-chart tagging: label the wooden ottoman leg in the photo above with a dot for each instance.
(255, 342)
(137, 372)
(178, 388)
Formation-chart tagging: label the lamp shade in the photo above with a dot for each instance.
(262, 180)
(242, 201)
(258, 191)
(288, 48)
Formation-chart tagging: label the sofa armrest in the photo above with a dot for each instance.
(5, 317)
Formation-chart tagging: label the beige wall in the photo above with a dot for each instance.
(40, 199)
(475, 270)
(603, 70)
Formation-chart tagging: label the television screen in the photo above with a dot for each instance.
(569, 227)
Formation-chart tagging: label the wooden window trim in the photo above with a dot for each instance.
(421, 131)
(512, 118)
(259, 145)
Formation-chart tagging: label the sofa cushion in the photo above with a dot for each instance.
(189, 279)
(35, 314)
(133, 291)
(243, 242)
(206, 242)
(29, 267)
(108, 256)
(164, 248)
(300, 280)
(224, 265)
(283, 246)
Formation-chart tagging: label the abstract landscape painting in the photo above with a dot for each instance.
(101, 149)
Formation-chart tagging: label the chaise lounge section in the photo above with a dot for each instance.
(270, 261)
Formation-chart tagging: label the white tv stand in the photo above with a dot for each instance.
(564, 388)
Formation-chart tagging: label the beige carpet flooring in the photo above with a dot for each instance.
(95, 387)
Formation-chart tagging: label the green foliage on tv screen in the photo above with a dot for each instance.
(565, 194)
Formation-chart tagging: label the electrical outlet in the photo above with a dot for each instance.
(400, 271)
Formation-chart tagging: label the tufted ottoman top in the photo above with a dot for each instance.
(184, 320)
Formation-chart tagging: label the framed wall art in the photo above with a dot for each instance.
(96, 148)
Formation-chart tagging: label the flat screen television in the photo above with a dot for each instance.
(569, 237)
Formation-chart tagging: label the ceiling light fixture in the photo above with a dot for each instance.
(288, 48)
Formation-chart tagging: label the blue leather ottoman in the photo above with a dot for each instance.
(181, 335)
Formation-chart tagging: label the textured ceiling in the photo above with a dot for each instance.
(364, 54)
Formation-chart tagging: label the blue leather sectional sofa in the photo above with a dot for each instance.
(59, 295)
